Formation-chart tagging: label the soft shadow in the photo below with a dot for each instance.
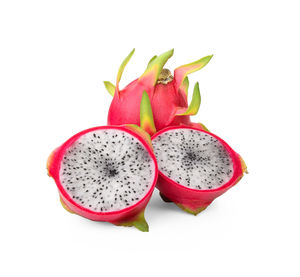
(157, 206)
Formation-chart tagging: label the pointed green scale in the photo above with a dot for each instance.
(121, 69)
(152, 59)
(65, 206)
(195, 103)
(110, 87)
(154, 68)
(189, 210)
(146, 115)
(203, 127)
(244, 166)
(185, 86)
(141, 132)
(181, 72)
(139, 222)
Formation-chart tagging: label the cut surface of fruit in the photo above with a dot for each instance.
(106, 174)
(107, 170)
(193, 158)
(195, 166)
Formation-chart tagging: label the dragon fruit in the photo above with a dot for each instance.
(107, 173)
(168, 94)
(195, 167)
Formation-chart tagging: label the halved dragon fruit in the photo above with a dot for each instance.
(168, 94)
(195, 166)
(106, 174)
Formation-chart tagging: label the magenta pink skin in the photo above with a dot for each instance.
(165, 99)
(193, 198)
(115, 217)
(194, 125)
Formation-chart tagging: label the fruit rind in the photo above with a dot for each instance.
(65, 206)
(164, 198)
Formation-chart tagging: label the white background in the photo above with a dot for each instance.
(54, 56)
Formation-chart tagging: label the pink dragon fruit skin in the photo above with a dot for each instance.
(168, 94)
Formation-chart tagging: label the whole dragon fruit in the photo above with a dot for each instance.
(168, 94)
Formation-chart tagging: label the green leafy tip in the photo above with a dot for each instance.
(65, 206)
(154, 68)
(181, 72)
(139, 222)
(203, 127)
(141, 132)
(152, 59)
(195, 103)
(189, 210)
(146, 115)
(110, 87)
(185, 86)
(121, 69)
